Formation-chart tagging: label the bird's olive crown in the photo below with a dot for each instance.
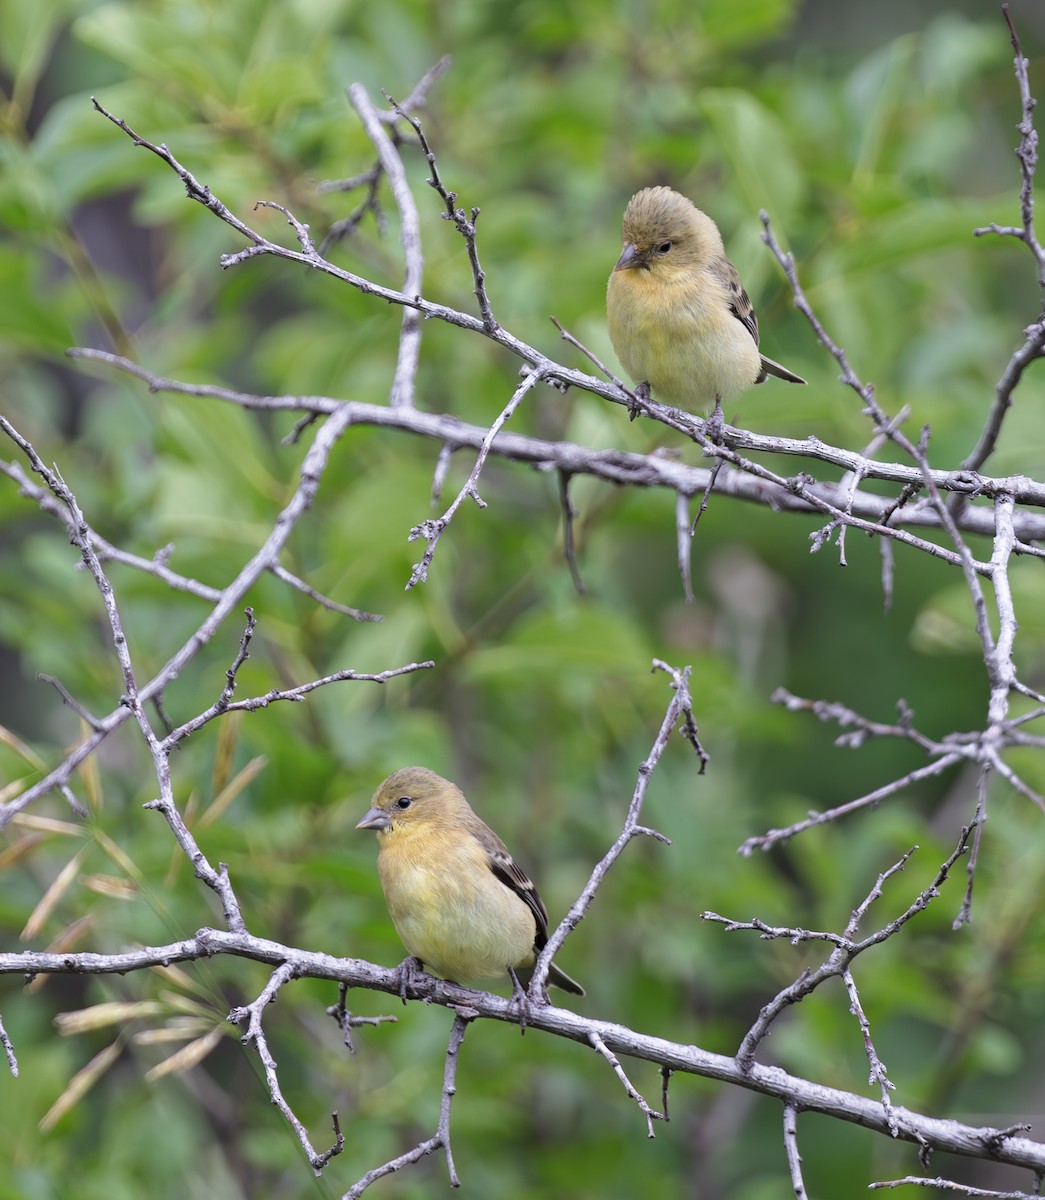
(658, 221)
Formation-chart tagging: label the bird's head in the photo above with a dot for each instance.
(410, 796)
(666, 234)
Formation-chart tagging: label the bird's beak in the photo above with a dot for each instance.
(375, 819)
(629, 257)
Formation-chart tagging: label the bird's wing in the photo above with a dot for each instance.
(515, 879)
(739, 301)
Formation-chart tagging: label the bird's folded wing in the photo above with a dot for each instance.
(515, 879)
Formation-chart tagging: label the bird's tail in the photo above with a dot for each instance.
(556, 978)
(562, 980)
(769, 367)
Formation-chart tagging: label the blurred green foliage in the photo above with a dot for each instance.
(875, 159)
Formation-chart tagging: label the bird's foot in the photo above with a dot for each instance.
(407, 972)
(715, 423)
(641, 397)
(520, 1000)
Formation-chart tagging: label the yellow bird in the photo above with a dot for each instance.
(461, 904)
(679, 319)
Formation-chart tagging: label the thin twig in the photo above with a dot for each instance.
(649, 1113)
(950, 1185)
(442, 467)
(403, 383)
(591, 356)
(9, 1050)
(965, 912)
(861, 727)
(441, 1140)
(292, 695)
(255, 1035)
(569, 549)
(465, 227)
(432, 530)
(716, 470)
(70, 700)
(347, 1021)
(773, 837)
(1027, 153)
(288, 577)
(878, 1074)
(418, 98)
(684, 539)
(846, 949)
(679, 716)
(665, 1080)
(794, 1159)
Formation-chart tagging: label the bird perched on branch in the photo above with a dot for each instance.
(461, 904)
(679, 319)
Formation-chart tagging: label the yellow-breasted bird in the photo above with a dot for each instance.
(679, 319)
(461, 904)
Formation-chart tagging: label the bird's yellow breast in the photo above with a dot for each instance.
(675, 331)
(449, 908)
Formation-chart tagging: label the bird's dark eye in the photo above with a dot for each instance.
(664, 247)
(404, 801)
